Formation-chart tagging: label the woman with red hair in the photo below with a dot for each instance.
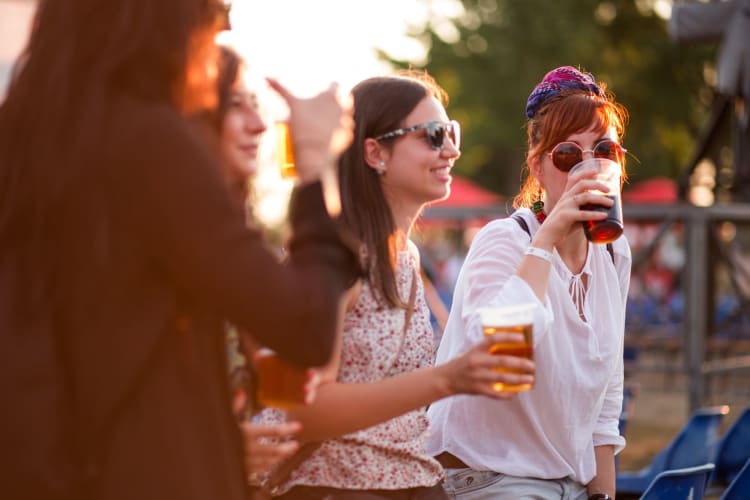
(558, 439)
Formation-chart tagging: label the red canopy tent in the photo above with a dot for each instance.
(468, 204)
(466, 193)
(654, 190)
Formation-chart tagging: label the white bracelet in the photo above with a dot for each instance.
(539, 253)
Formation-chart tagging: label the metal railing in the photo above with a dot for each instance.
(698, 224)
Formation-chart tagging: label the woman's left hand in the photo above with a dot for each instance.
(268, 445)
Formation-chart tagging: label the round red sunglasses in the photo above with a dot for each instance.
(568, 154)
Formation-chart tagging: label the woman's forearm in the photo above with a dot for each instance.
(342, 408)
(604, 482)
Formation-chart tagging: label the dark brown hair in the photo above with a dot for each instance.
(572, 111)
(210, 121)
(81, 52)
(229, 68)
(381, 104)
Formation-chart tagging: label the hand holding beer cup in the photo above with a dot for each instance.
(480, 371)
(281, 384)
(516, 319)
(607, 172)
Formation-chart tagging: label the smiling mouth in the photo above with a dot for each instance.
(445, 169)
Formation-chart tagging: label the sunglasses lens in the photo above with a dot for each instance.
(455, 133)
(435, 135)
(566, 155)
(609, 150)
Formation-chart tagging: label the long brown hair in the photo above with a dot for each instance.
(210, 120)
(381, 104)
(570, 112)
(230, 66)
(81, 52)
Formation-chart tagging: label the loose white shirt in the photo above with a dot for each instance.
(550, 431)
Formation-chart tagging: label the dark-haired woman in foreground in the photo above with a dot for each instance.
(122, 253)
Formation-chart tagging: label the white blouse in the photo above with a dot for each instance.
(550, 431)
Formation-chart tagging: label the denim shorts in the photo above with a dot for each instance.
(470, 484)
(323, 493)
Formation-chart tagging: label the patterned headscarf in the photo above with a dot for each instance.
(557, 80)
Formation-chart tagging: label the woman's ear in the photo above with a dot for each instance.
(535, 166)
(375, 156)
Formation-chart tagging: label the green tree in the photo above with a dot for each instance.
(504, 47)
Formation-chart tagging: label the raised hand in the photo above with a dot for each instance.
(581, 189)
(321, 128)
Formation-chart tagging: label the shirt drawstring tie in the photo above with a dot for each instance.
(578, 294)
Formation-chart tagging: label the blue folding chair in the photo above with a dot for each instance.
(679, 484)
(732, 452)
(694, 445)
(739, 488)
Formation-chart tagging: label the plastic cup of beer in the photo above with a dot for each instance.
(284, 150)
(516, 319)
(280, 384)
(608, 172)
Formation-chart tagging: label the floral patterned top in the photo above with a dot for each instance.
(389, 455)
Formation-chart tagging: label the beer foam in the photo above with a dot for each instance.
(517, 314)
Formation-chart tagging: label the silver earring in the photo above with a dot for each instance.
(382, 165)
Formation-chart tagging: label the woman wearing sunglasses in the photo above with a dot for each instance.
(557, 440)
(368, 416)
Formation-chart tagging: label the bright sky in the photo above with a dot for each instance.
(306, 44)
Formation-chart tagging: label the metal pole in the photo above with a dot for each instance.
(696, 297)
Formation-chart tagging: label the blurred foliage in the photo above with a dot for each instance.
(502, 48)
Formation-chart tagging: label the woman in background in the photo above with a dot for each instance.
(369, 414)
(237, 124)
